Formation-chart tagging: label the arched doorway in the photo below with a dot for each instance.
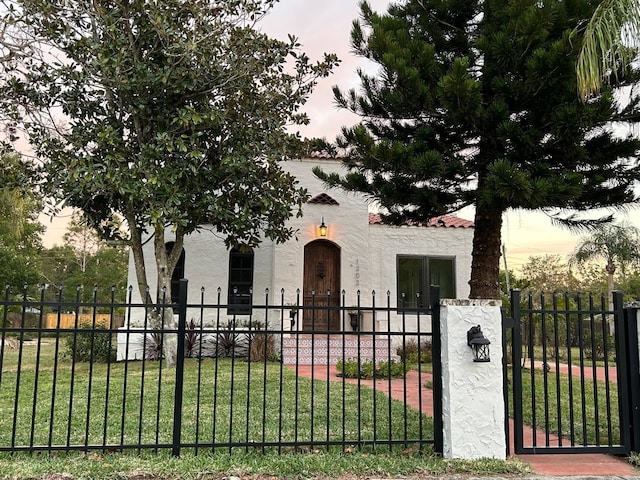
(321, 275)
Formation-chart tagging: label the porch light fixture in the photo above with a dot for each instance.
(479, 344)
(323, 229)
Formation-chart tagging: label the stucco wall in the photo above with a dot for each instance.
(368, 254)
(472, 397)
(347, 227)
(387, 242)
(206, 266)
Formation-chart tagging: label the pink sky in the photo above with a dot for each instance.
(324, 26)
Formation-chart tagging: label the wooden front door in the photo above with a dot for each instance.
(321, 275)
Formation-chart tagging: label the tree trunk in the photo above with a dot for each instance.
(485, 261)
(166, 264)
(162, 317)
(138, 260)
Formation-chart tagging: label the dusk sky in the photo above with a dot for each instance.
(324, 26)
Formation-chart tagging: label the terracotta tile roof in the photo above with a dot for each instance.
(446, 221)
(323, 199)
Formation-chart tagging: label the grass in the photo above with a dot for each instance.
(214, 466)
(559, 408)
(573, 353)
(133, 403)
(265, 403)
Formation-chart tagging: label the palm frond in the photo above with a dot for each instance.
(611, 38)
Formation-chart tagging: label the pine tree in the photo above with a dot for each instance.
(475, 104)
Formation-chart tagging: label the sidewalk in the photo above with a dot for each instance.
(580, 465)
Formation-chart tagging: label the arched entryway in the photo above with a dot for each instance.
(321, 275)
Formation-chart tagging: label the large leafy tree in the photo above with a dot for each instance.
(85, 261)
(474, 104)
(20, 230)
(169, 114)
(547, 274)
(611, 42)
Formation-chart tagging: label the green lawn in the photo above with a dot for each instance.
(563, 404)
(133, 404)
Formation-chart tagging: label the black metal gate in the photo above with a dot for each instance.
(571, 369)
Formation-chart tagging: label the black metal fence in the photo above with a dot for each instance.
(256, 381)
(571, 387)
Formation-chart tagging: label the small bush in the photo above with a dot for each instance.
(598, 353)
(229, 342)
(91, 344)
(153, 346)
(349, 368)
(192, 340)
(391, 369)
(411, 352)
(263, 346)
(352, 368)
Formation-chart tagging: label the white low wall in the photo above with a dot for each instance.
(472, 396)
(130, 344)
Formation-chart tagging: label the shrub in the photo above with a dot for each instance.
(352, 368)
(153, 346)
(91, 344)
(348, 368)
(411, 352)
(391, 369)
(229, 342)
(263, 346)
(598, 353)
(191, 340)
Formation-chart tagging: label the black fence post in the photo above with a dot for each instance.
(633, 376)
(436, 343)
(622, 369)
(516, 372)
(177, 404)
(507, 327)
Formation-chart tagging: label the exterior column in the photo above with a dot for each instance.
(472, 392)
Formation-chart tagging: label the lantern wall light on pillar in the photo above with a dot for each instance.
(479, 344)
(323, 229)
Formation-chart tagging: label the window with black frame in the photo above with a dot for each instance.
(177, 275)
(240, 282)
(415, 275)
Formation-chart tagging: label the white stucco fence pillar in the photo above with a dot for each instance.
(472, 392)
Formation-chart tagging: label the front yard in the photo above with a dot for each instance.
(132, 404)
(225, 402)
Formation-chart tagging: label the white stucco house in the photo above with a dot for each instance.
(354, 252)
